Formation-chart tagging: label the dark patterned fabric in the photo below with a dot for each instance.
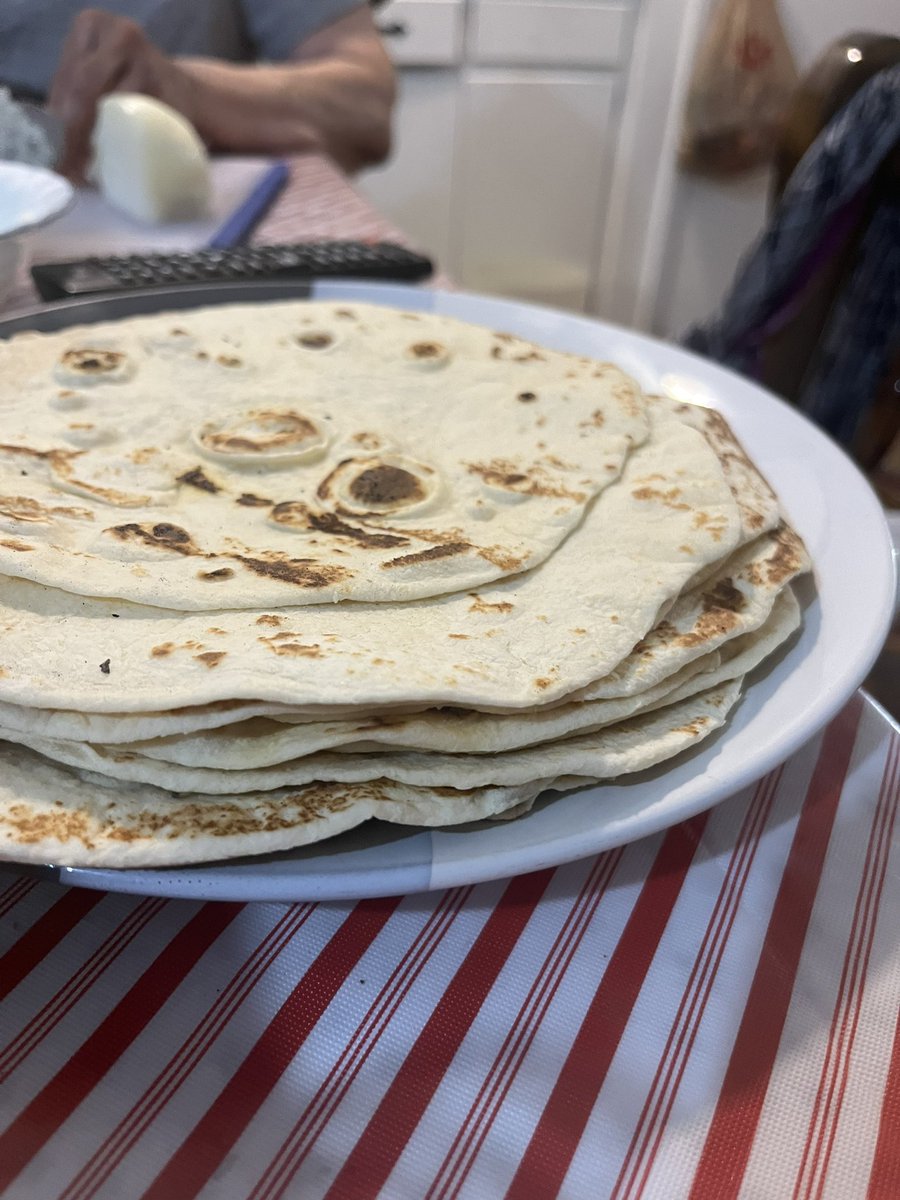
(827, 192)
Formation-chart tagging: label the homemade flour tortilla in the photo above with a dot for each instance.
(49, 814)
(693, 626)
(756, 501)
(529, 640)
(736, 599)
(262, 742)
(545, 580)
(597, 755)
(287, 454)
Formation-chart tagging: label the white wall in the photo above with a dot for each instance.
(713, 224)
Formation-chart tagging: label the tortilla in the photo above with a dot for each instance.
(529, 640)
(698, 621)
(575, 596)
(289, 454)
(49, 814)
(756, 501)
(586, 755)
(263, 743)
(736, 599)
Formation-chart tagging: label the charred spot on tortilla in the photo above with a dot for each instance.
(534, 480)
(487, 606)
(315, 341)
(788, 557)
(248, 500)
(303, 572)
(210, 658)
(162, 535)
(501, 558)
(597, 420)
(527, 397)
(711, 625)
(427, 355)
(385, 484)
(92, 362)
(368, 441)
(693, 728)
(291, 649)
(196, 478)
(296, 515)
(25, 508)
(260, 432)
(670, 497)
(216, 576)
(104, 666)
(444, 551)
(724, 595)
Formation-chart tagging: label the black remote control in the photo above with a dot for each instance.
(302, 260)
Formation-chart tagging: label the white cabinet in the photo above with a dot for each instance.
(505, 138)
(519, 32)
(534, 150)
(415, 187)
(425, 39)
(423, 33)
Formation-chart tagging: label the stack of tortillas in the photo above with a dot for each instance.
(269, 571)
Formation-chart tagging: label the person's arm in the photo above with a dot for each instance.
(334, 94)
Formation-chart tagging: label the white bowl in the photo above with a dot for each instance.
(29, 197)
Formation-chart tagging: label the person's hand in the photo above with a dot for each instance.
(105, 53)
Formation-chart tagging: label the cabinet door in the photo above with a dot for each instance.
(422, 33)
(544, 34)
(534, 155)
(413, 188)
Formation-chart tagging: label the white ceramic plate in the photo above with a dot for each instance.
(847, 615)
(29, 197)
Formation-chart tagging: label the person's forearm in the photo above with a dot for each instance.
(341, 107)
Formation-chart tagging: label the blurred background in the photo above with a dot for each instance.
(537, 142)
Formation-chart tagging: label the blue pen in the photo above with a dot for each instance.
(238, 227)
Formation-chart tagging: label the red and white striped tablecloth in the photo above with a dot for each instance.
(711, 1012)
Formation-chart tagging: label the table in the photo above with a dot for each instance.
(318, 202)
(709, 1013)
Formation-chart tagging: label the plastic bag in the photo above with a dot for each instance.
(743, 79)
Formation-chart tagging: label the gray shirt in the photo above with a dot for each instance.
(32, 31)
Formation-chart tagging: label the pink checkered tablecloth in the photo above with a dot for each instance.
(318, 202)
(709, 1013)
